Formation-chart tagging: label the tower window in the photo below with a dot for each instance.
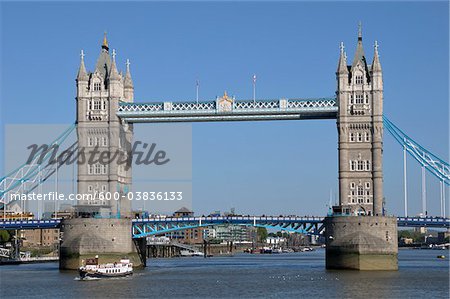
(359, 99)
(359, 137)
(360, 165)
(104, 141)
(97, 86)
(366, 137)
(97, 105)
(97, 169)
(359, 79)
(352, 137)
(352, 185)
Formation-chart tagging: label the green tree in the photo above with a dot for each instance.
(4, 236)
(261, 232)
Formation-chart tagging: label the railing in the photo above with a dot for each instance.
(228, 109)
(179, 223)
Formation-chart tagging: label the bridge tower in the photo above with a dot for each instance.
(103, 226)
(359, 235)
(360, 128)
(100, 132)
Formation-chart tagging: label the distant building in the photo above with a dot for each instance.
(406, 241)
(183, 212)
(188, 236)
(40, 237)
(209, 233)
(275, 240)
(235, 233)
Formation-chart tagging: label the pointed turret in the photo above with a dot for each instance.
(128, 82)
(82, 74)
(359, 54)
(376, 66)
(128, 88)
(104, 61)
(114, 74)
(342, 65)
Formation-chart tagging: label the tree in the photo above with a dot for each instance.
(4, 236)
(261, 232)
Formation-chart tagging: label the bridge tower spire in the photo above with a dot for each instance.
(128, 91)
(360, 128)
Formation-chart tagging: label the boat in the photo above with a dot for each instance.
(265, 250)
(441, 256)
(92, 269)
(307, 249)
(187, 252)
(277, 250)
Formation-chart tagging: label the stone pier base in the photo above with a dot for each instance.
(83, 238)
(361, 242)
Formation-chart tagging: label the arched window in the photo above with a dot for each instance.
(359, 134)
(352, 137)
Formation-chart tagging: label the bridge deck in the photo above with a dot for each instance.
(225, 109)
(153, 226)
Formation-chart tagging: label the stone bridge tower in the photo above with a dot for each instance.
(100, 132)
(358, 235)
(360, 128)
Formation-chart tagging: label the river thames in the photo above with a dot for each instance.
(293, 275)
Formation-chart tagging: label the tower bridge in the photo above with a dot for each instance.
(357, 234)
(144, 227)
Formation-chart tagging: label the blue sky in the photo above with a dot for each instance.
(285, 167)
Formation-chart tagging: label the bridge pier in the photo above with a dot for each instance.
(83, 238)
(361, 242)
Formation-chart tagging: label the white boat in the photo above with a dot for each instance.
(92, 269)
(190, 253)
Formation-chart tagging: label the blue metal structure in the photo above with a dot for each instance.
(431, 162)
(228, 109)
(28, 176)
(157, 226)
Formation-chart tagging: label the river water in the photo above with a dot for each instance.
(293, 275)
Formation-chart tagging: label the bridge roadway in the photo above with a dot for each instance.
(228, 109)
(161, 225)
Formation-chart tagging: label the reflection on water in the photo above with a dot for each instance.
(294, 275)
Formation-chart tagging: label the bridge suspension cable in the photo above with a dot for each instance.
(32, 173)
(431, 162)
(428, 161)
